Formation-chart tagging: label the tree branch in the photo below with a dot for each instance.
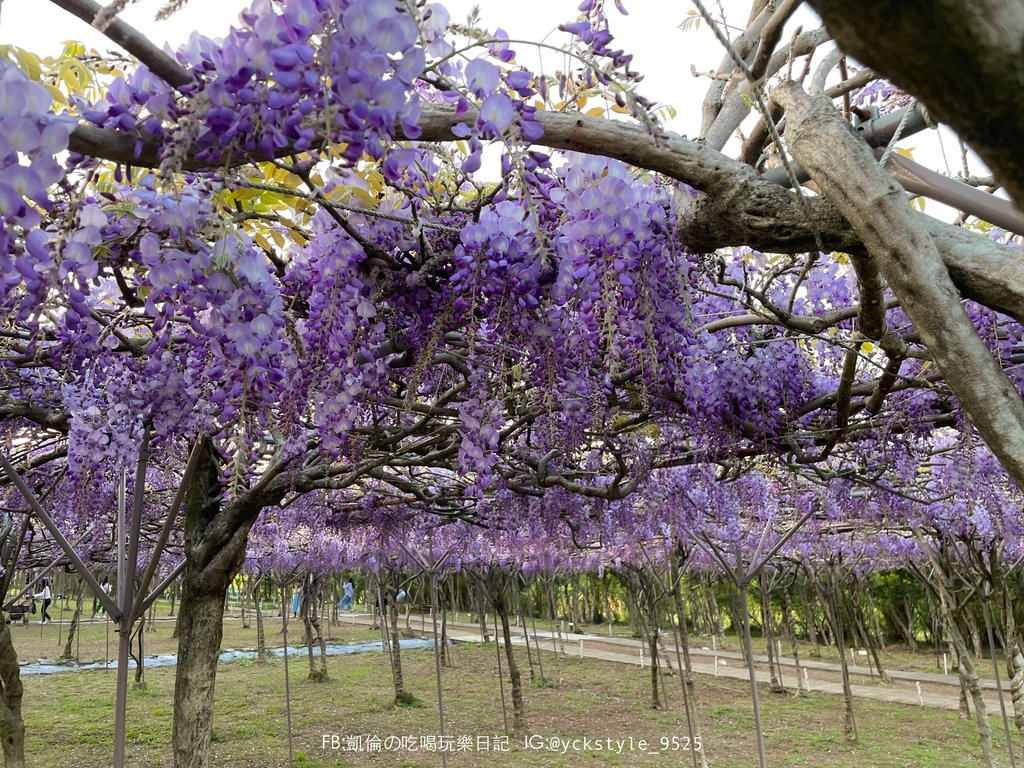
(159, 62)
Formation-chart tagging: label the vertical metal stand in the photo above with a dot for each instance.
(501, 675)
(287, 682)
(437, 663)
(985, 600)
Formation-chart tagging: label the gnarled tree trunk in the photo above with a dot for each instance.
(215, 539)
(12, 727)
(518, 708)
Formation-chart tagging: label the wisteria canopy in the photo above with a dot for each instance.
(395, 292)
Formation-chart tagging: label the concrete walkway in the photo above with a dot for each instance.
(904, 688)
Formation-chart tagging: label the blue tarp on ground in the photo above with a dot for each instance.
(170, 659)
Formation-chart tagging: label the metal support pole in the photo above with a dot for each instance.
(111, 607)
(142, 602)
(119, 529)
(126, 593)
(501, 674)
(437, 663)
(748, 646)
(287, 682)
(995, 669)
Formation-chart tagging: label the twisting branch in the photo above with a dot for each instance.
(770, 36)
(737, 105)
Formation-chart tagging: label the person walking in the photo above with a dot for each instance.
(97, 605)
(296, 598)
(346, 599)
(45, 597)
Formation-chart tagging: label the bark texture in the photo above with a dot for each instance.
(215, 537)
(964, 59)
(12, 727)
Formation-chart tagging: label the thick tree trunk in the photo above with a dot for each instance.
(684, 638)
(905, 253)
(869, 641)
(940, 582)
(909, 609)
(200, 626)
(482, 616)
(12, 727)
(774, 663)
(738, 612)
(875, 624)
(246, 591)
(930, 49)
(849, 720)
(829, 598)
(1015, 670)
(140, 660)
(809, 620)
(1010, 637)
(652, 649)
(716, 612)
(975, 632)
(305, 608)
(970, 678)
(442, 607)
(787, 623)
(963, 709)
(903, 629)
(215, 539)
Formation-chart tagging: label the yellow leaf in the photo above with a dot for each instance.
(867, 347)
(69, 76)
(596, 112)
(73, 48)
(58, 97)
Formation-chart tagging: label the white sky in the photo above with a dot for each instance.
(662, 52)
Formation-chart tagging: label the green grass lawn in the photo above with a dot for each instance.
(69, 716)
